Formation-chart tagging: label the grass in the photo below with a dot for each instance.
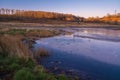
(31, 33)
(62, 77)
(11, 46)
(13, 31)
(16, 31)
(14, 68)
(17, 62)
(24, 74)
(55, 25)
(42, 33)
(10, 42)
(41, 52)
(45, 76)
(39, 68)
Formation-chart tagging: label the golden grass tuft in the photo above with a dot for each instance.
(40, 53)
(11, 46)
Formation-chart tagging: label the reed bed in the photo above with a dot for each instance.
(11, 46)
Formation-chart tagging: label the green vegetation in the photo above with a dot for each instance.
(16, 31)
(24, 74)
(31, 33)
(45, 76)
(15, 68)
(61, 77)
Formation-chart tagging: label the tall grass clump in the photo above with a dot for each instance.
(12, 46)
(41, 52)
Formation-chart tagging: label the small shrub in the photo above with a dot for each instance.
(23, 74)
(39, 68)
(30, 64)
(40, 52)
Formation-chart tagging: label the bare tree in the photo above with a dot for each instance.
(0, 11)
(3, 10)
(7, 11)
(13, 11)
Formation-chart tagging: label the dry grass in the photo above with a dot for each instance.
(42, 33)
(40, 53)
(11, 46)
(54, 24)
(11, 42)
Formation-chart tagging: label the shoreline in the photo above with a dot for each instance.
(43, 25)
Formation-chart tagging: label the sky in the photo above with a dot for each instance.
(83, 8)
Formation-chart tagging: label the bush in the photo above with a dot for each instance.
(40, 52)
(23, 74)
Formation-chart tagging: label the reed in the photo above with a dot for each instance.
(11, 46)
(40, 53)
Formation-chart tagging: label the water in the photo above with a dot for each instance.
(93, 52)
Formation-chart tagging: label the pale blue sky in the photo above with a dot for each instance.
(83, 8)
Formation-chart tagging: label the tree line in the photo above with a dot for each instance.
(53, 17)
(30, 15)
(109, 18)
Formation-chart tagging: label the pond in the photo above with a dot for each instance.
(91, 52)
